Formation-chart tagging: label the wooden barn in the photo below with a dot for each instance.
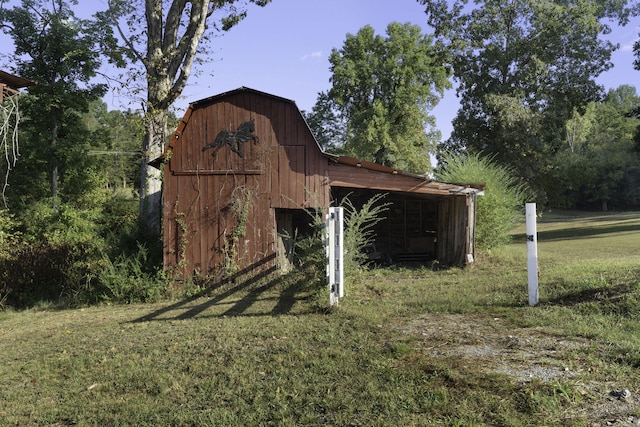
(243, 168)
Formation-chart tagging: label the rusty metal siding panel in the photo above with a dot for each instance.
(354, 177)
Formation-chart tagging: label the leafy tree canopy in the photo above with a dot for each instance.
(57, 51)
(523, 67)
(382, 90)
(598, 167)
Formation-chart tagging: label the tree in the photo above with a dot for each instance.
(117, 138)
(58, 52)
(327, 124)
(636, 111)
(165, 41)
(383, 89)
(598, 168)
(523, 67)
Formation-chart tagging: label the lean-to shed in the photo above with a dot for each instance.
(10, 84)
(243, 166)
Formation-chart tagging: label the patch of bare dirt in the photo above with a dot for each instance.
(525, 354)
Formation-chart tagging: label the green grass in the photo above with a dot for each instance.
(268, 355)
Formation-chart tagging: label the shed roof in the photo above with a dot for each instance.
(372, 175)
(14, 82)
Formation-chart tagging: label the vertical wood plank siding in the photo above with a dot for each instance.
(203, 194)
(453, 230)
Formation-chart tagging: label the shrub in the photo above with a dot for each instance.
(39, 271)
(359, 230)
(127, 279)
(77, 256)
(502, 203)
(358, 234)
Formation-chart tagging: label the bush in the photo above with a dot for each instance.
(358, 230)
(77, 256)
(502, 203)
(128, 280)
(358, 234)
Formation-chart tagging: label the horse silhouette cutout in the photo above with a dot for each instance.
(235, 139)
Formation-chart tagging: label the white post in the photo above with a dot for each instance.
(334, 246)
(532, 253)
(339, 278)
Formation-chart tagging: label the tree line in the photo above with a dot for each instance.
(525, 74)
(81, 204)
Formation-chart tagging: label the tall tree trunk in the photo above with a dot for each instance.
(151, 178)
(54, 169)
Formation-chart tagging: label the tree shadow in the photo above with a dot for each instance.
(619, 299)
(580, 232)
(257, 284)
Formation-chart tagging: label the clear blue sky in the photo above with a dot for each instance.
(283, 49)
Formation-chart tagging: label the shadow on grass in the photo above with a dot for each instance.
(252, 282)
(580, 232)
(619, 300)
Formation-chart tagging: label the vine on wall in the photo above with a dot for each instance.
(183, 235)
(239, 207)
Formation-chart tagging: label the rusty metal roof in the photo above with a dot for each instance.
(423, 181)
(14, 82)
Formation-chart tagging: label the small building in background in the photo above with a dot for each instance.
(243, 171)
(10, 84)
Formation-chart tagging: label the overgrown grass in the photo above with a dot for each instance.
(266, 354)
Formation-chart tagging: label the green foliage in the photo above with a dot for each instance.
(58, 52)
(522, 68)
(309, 249)
(127, 279)
(598, 167)
(70, 228)
(327, 124)
(359, 224)
(116, 138)
(76, 256)
(502, 203)
(382, 91)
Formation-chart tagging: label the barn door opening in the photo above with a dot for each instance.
(292, 225)
(285, 239)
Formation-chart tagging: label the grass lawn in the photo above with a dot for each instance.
(409, 346)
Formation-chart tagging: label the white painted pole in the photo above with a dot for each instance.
(339, 242)
(334, 242)
(532, 253)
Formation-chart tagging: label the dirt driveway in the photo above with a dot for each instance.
(525, 354)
